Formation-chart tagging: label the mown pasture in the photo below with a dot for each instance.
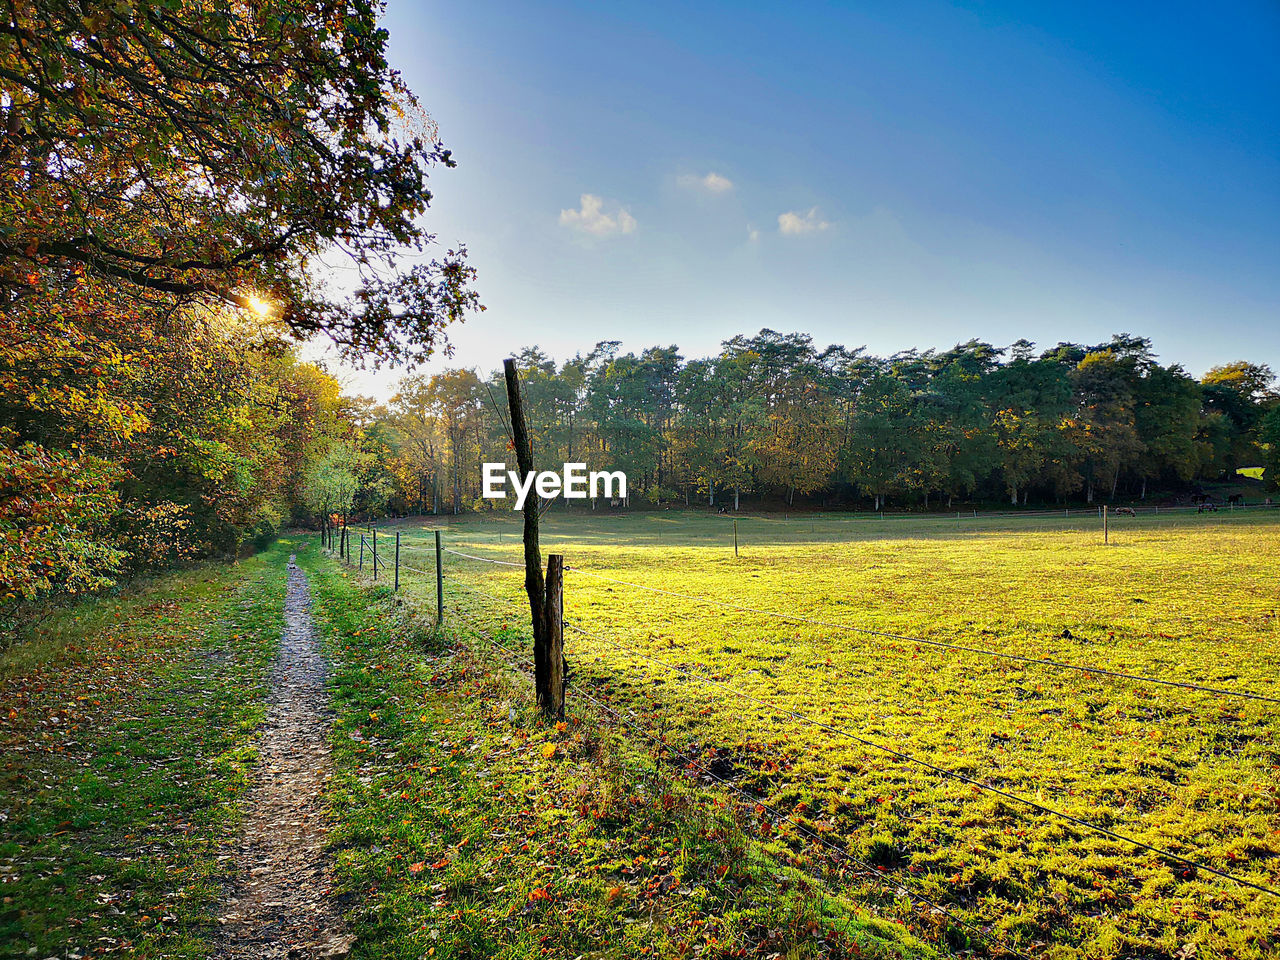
(1179, 597)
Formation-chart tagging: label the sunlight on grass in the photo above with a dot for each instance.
(1185, 598)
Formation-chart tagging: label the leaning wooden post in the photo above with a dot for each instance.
(439, 582)
(361, 566)
(1106, 525)
(735, 538)
(397, 586)
(553, 703)
(533, 582)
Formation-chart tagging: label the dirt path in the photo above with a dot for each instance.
(279, 903)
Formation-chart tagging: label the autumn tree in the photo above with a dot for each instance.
(211, 153)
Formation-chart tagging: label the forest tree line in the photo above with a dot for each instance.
(774, 418)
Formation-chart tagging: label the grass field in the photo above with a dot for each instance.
(1180, 597)
(126, 740)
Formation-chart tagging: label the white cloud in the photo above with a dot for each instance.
(753, 234)
(712, 182)
(592, 219)
(793, 224)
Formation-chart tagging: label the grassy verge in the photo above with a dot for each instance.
(467, 827)
(125, 732)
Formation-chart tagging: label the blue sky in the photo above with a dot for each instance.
(891, 174)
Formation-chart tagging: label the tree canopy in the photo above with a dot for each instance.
(775, 417)
(211, 152)
(173, 179)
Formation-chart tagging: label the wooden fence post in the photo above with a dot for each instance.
(735, 538)
(1106, 525)
(397, 586)
(361, 566)
(534, 584)
(551, 697)
(439, 583)
(375, 554)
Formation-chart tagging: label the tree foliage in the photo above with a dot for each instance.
(774, 417)
(212, 152)
(171, 177)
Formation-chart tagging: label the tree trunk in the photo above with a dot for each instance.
(736, 495)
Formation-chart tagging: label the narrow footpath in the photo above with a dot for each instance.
(279, 903)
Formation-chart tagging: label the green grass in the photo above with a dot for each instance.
(1178, 596)
(125, 739)
(467, 827)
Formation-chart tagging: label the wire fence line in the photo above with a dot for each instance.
(903, 638)
(868, 870)
(951, 516)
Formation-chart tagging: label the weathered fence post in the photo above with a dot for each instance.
(375, 554)
(361, 566)
(735, 538)
(551, 698)
(1106, 525)
(534, 584)
(397, 586)
(439, 583)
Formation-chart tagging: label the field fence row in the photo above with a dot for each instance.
(950, 516)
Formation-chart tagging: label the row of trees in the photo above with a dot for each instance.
(773, 416)
(169, 174)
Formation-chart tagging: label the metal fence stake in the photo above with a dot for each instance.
(439, 583)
